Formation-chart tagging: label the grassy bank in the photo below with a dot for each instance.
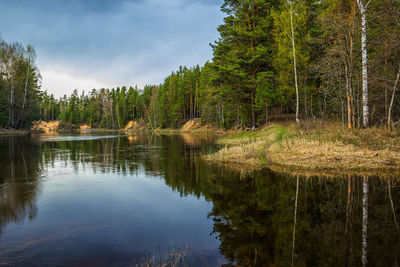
(322, 147)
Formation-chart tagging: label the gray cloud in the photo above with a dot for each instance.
(113, 42)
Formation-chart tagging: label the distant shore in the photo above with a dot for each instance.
(310, 148)
(192, 126)
(7, 132)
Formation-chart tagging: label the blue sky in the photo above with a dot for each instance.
(87, 44)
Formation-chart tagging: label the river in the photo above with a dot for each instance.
(114, 200)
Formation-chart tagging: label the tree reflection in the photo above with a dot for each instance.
(365, 221)
(349, 222)
(258, 224)
(259, 220)
(255, 228)
(19, 179)
(295, 219)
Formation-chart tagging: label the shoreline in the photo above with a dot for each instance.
(192, 126)
(309, 151)
(13, 132)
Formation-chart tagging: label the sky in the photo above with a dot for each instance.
(86, 44)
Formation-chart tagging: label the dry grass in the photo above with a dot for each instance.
(313, 148)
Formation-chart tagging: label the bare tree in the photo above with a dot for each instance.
(389, 120)
(294, 61)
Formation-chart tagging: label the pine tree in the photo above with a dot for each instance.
(243, 54)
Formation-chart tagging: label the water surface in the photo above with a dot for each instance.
(101, 200)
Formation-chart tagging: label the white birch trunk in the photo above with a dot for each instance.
(294, 63)
(11, 102)
(25, 95)
(363, 11)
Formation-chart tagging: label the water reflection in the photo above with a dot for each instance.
(19, 179)
(256, 226)
(295, 219)
(264, 219)
(365, 220)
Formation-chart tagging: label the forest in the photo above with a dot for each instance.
(20, 95)
(333, 60)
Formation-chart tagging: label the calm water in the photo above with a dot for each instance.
(115, 200)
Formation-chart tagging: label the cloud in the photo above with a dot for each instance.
(111, 42)
(67, 82)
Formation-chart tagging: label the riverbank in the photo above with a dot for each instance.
(311, 149)
(194, 126)
(7, 132)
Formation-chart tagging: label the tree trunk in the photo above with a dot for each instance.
(105, 110)
(253, 119)
(342, 108)
(112, 113)
(350, 65)
(363, 11)
(25, 95)
(389, 121)
(191, 101)
(266, 111)
(118, 117)
(305, 92)
(238, 118)
(11, 102)
(196, 99)
(385, 83)
(294, 63)
(148, 116)
(349, 118)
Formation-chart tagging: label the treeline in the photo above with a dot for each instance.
(19, 85)
(328, 60)
(272, 57)
(167, 105)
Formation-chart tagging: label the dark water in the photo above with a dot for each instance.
(115, 201)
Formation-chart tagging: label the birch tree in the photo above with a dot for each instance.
(30, 62)
(292, 37)
(19, 85)
(363, 11)
(294, 61)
